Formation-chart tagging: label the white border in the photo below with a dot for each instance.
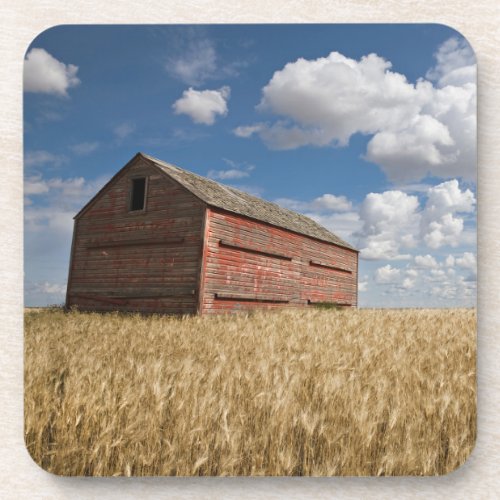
(20, 23)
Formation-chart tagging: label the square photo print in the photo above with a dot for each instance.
(250, 250)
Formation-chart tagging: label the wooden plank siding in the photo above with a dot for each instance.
(147, 261)
(250, 264)
(184, 254)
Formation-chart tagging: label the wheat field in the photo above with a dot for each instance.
(295, 392)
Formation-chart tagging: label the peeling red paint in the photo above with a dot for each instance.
(170, 258)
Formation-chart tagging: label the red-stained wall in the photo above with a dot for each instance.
(180, 256)
(141, 261)
(249, 264)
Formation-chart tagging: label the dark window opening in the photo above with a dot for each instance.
(138, 194)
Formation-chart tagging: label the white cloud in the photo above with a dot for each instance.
(248, 130)
(47, 288)
(197, 63)
(467, 261)
(202, 106)
(413, 151)
(331, 202)
(390, 220)
(408, 283)
(58, 201)
(123, 130)
(426, 261)
(343, 224)
(440, 225)
(45, 74)
(48, 229)
(232, 173)
(237, 171)
(40, 158)
(413, 273)
(426, 286)
(448, 196)
(437, 274)
(84, 148)
(324, 203)
(334, 212)
(35, 185)
(363, 286)
(387, 274)
(445, 231)
(418, 129)
(450, 261)
(333, 97)
(391, 224)
(456, 63)
(459, 289)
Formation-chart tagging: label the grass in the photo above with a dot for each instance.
(298, 392)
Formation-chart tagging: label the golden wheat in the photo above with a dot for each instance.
(304, 392)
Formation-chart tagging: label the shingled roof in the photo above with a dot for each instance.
(239, 202)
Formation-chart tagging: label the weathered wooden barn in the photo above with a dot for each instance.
(157, 238)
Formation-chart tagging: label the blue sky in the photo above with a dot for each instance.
(369, 129)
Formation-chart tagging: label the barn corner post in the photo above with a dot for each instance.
(203, 258)
(70, 268)
(357, 280)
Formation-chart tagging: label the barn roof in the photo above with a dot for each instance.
(239, 202)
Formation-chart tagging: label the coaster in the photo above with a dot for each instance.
(250, 250)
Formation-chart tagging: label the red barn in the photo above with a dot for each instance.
(157, 238)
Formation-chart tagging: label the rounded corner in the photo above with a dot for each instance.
(458, 34)
(36, 462)
(33, 42)
(464, 462)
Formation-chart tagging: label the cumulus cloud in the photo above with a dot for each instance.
(408, 283)
(394, 221)
(467, 261)
(423, 286)
(393, 225)
(458, 289)
(455, 63)
(43, 73)
(437, 273)
(387, 274)
(343, 224)
(202, 106)
(440, 223)
(389, 220)
(324, 203)
(449, 261)
(417, 129)
(426, 261)
(331, 202)
(412, 273)
(336, 213)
